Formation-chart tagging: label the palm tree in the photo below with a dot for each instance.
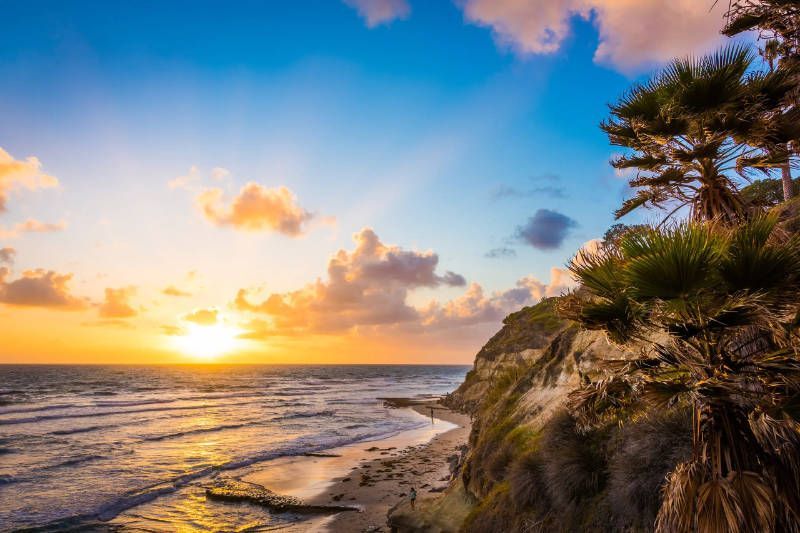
(778, 25)
(691, 130)
(710, 315)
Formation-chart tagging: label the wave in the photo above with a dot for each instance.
(179, 434)
(75, 461)
(79, 430)
(364, 401)
(313, 414)
(146, 494)
(43, 418)
(37, 409)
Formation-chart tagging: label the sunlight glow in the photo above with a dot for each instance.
(207, 342)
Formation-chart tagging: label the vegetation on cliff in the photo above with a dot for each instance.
(725, 301)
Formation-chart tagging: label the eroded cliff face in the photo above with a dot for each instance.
(529, 468)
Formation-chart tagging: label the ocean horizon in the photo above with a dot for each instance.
(122, 446)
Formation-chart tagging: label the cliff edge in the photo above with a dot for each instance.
(529, 467)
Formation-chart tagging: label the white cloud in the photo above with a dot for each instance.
(185, 181)
(377, 12)
(634, 34)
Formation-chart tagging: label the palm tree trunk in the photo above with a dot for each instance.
(786, 178)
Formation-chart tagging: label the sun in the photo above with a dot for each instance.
(207, 342)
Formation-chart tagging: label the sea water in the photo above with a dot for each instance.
(130, 447)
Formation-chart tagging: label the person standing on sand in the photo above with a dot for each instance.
(412, 496)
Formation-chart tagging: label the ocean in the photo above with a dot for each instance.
(130, 447)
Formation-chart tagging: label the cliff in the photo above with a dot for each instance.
(529, 467)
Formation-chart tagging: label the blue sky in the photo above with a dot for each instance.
(429, 128)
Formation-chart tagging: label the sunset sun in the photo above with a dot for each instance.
(207, 342)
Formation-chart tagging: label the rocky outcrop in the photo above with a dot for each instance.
(523, 338)
(234, 490)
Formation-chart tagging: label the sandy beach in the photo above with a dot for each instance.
(373, 476)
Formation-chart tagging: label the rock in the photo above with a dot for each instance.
(240, 491)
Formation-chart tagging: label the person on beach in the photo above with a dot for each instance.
(412, 496)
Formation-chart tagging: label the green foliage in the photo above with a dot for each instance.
(716, 308)
(776, 21)
(696, 128)
(607, 478)
(767, 192)
(530, 327)
(614, 234)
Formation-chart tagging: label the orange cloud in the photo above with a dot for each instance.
(113, 323)
(32, 226)
(367, 286)
(172, 330)
(367, 290)
(19, 174)
(256, 208)
(117, 303)
(202, 317)
(633, 33)
(377, 12)
(172, 290)
(39, 288)
(475, 307)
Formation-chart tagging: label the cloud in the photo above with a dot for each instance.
(367, 286)
(502, 252)
(31, 226)
(113, 323)
(256, 208)
(21, 174)
(220, 173)
(7, 255)
(190, 179)
(506, 191)
(172, 290)
(186, 180)
(202, 317)
(634, 34)
(117, 303)
(172, 330)
(475, 307)
(39, 288)
(377, 12)
(545, 230)
(367, 292)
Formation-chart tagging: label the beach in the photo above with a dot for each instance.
(373, 476)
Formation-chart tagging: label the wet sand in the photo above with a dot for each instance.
(373, 476)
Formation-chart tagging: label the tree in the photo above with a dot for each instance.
(778, 25)
(692, 130)
(767, 193)
(616, 232)
(710, 315)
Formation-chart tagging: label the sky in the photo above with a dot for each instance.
(327, 181)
